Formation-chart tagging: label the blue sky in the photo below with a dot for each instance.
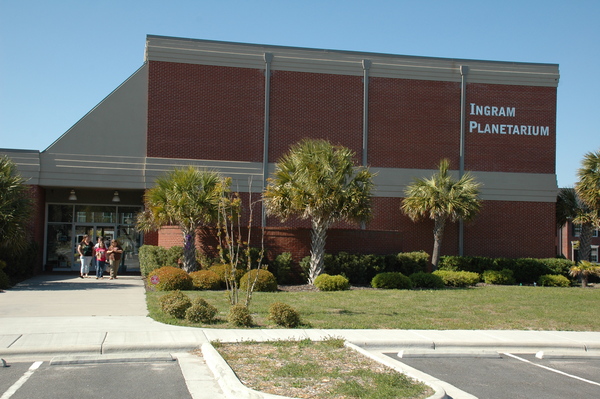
(60, 58)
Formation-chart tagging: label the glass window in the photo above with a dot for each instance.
(60, 248)
(594, 254)
(95, 214)
(60, 213)
(576, 230)
(128, 214)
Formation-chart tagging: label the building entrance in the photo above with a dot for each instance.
(67, 224)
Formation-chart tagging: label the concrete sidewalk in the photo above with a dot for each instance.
(59, 315)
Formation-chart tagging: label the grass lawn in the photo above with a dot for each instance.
(486, 308)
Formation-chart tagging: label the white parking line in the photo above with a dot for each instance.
(549, 369)
(11, 391)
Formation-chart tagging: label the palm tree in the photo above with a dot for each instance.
(588, 186)
(318, 181)
(15, 208)
(442, 198)
(570, 207)
(584, 270)
(188, 198)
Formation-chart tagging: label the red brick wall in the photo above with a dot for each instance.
(534, 106)
(413, 123)
(313, 105)
(205, 112)
(512, 230)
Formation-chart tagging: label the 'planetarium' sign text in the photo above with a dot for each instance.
(503, 128)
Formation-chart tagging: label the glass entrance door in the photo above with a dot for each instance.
(106, 231)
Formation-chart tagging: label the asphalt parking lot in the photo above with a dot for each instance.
(511, 375)
(41, 380)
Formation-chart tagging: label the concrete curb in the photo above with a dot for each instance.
(440, 393)
(228, 381)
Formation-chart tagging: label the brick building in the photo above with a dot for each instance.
(238, 107)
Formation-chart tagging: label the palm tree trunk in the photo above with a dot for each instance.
(189, 251)
(438, 234)
(585, 241)
(318, 236)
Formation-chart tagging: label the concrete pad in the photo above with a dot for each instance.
(60, 295)
(8, 339)
(199, 379)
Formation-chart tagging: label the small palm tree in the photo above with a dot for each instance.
(584, 270)
(188, 198)
(442, 198)
(15, 208)
(588, 186)
(318, 181)
(570, 206)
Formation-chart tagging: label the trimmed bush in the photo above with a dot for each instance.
(325, 282)
(529, 270)
(391, 280)
(173, 256)
(281, 267)
(224, 271)
(499, 277)
(206, 280)
(284, 315)
(201, 311)
(411, 262)
(151, 257)
(4, 280)
(265, 282)
(458, 278)
(558, 265)
(554, 280)
(171, 278)
(175, 304)
(239, 315)
(426, 280)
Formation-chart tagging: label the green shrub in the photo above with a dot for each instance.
(175, 304)
(411, 262)
(224, 272)
(558, 265)
(201, 311)
(426, 280)
(554, 280)
(391, 280)
(206, 280)
(173, 256)
(151, 257)
(474, 264)
(239, 315)
(529, 270)
(4, 280)
(458, 278)
(171, 278)
(284, 315)
(499, 277)
(281, 267)
(325, 282)
(20, 266)
(265, 281)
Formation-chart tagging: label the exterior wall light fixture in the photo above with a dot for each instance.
(72, 196)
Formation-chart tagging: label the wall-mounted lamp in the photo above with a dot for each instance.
(116, 197)
(72, 196)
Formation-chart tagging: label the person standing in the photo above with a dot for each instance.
(86, 254)
(114, 258)
(100, 259)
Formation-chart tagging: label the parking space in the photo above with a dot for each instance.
(105, 380)
(513, 375)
